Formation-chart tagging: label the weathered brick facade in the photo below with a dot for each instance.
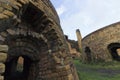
(31, 29)
(74, 48)
(3, 58)
(102, 44)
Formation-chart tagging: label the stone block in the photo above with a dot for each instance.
(63, 68)
(57, 60)
(1, 9)
(9, 13)
(3, 48)
(3, 57)
(2, 68)
(2, 16)
(1, 78)
(70, 77)
(5, 6)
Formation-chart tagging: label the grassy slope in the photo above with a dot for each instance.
(101, 71)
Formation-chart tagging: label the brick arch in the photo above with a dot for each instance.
(30, 49)
(35, 28)
(113, 50)
(22, 43)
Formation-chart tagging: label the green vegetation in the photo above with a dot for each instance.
(99, 71)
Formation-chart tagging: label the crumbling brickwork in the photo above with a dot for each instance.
(31, 29)
(73, 47)
(102, 44)
(3, 58)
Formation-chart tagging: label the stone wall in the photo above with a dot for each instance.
(96, 44)
(3, 58)
(31, 29)
(73, 48)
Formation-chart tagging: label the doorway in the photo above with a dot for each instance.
(114, 49)
(88, 54)
(18, 68)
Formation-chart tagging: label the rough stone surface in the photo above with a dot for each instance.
(96, 45)
(31, 29)
(1, 77)
(3, 48)
(74, 50)
(79, 38)
(2, 68)
(3, 57)
(73, 47)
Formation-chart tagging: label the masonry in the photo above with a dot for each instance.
(74, 48)
(102, 45)
(31, 30)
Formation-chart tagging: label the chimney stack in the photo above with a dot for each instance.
(79, 38)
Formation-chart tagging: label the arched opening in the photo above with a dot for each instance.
(18, 68)
(20, 64)
(114, 49)
(118, 51)
(88, 53)
(24, 56)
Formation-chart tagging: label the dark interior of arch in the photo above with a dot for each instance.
(31, 50)
(88, 53)
(12, 73)
(113, 50)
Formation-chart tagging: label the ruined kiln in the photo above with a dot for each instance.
(102, 45)
(31, 29)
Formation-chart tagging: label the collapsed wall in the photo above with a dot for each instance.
(73, 48)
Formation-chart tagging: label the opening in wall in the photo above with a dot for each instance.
(20, 64)
(88, 53)
(114, 49)
(18, 68)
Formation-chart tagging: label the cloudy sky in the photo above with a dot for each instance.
(86, 15)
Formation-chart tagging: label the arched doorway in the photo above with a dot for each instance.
(88, 54)
(16, 70)
(23, 58)
(20, 64)
(114, 49)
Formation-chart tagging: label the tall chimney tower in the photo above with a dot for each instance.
(79, 38)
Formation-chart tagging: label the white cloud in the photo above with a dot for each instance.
(61, 10)
(77, 21)
(88, 15)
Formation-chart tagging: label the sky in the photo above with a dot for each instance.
(86, 15)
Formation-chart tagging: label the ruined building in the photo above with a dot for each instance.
(31, 30)
(73, 47)
(103, 44)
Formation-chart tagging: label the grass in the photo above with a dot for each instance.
(99, 71)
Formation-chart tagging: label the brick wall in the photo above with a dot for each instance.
(99, 40)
